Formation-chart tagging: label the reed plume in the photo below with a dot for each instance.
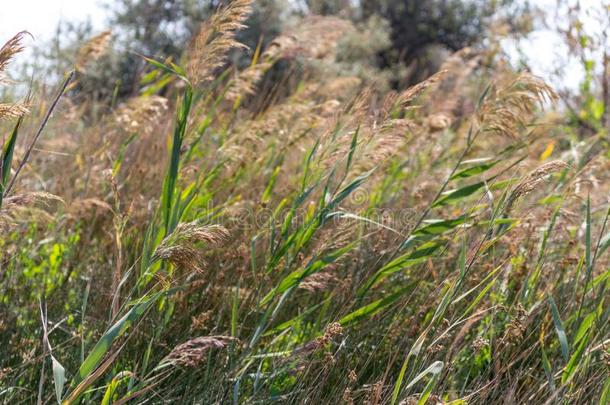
(140, 114)
(8, 51)
(194, 352)
(532, 180)
(215, 39)
(92, 50)
(511, 106)
(181, 246)
(12, 47)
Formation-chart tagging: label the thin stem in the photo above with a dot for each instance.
(43, 124)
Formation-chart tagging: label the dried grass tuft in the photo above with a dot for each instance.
(8, 51)
(194, 352)
(12, 47)
(140, 114)
(92, 50)
(215, 39)
(14, 206)
(511, 106)
(181, 246)
(533, 179)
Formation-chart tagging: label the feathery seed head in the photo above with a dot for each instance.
(215, 39)
(533, 179)
(12, 47)
(509, 107)
(92, 50)
(193, 352)
(180, 247)
(140, 114)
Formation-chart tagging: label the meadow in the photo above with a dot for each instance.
(241, 236)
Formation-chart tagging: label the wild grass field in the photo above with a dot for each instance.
(313, 238)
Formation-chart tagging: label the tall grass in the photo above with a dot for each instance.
(339, 244)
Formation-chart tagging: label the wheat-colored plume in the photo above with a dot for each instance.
(215, 39)
(181, 246)
(193, 352)
(92, 50)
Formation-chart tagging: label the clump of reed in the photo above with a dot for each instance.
(314, 247)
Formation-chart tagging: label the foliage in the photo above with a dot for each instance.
(212, 240)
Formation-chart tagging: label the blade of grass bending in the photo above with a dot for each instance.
(474, 170)
(103, 345)
(561, 333)
(59, 378)
(376, 306)
(314, 266)
(422, 253)
(7, 158)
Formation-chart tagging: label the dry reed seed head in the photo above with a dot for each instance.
(404, 98)
(215, 38)
(533, 179)
(347, 396)
(479, 343)
(194, 352)
(439, 122)
(13, 110)
(318, 282)
(15, 206)
(181, 246)
(81, 206)
(245, 81)
(509, 107)
(141, 114)
(313, 37)
(31, 198)
(8, 51)
(92, 50)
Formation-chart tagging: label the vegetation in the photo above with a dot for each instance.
(291, 231)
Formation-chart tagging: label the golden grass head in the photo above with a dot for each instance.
(15, 206)
(12, 47)
(8, 51)
(215, 39)
(194, 352)
(140, 114)
(92, 50)
(405, 98)
(533, 179)
(181, 246)
(245, 81)
(510, 106)
(13, 110)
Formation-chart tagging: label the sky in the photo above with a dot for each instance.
(40, 17)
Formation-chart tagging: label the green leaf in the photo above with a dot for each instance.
(452, 196)
(173, 69)
(574, 362)
(103, 345)
(441, 226)
(419, 255)
(474, 170)
(584, 328)
(7, 158)
(561, 333)
(295, 278)
(59, 378)
(374, 307)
